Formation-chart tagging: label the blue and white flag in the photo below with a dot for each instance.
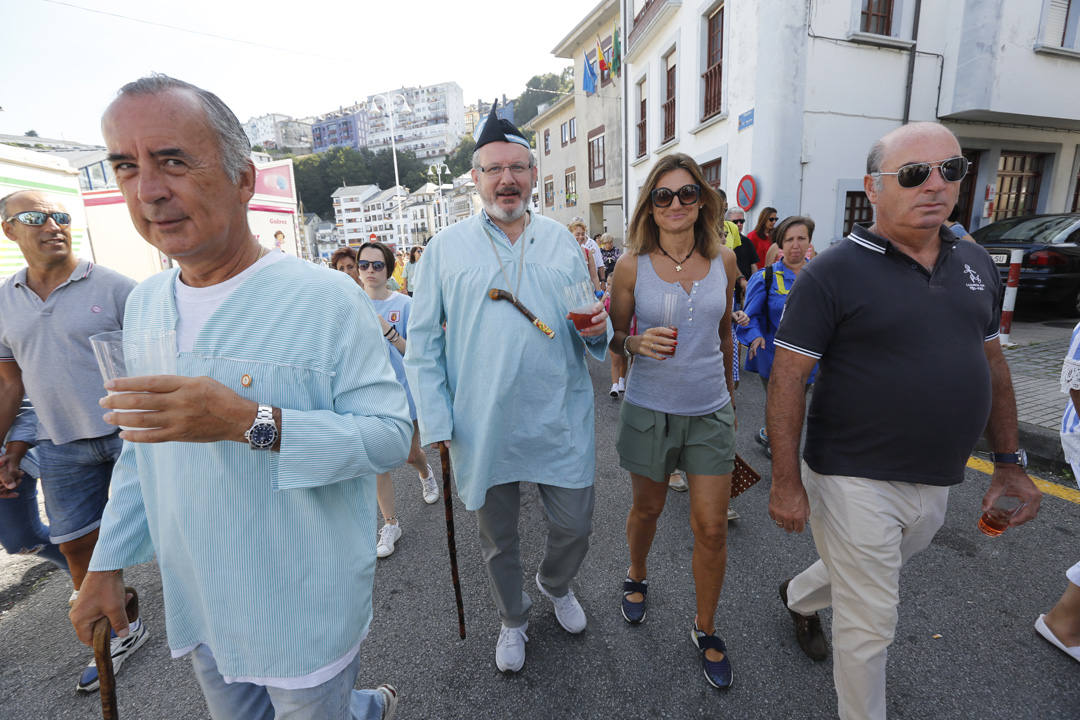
(588, 83)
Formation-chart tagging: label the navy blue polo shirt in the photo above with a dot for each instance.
(904, 388)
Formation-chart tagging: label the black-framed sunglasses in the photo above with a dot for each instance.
(37, 217)
(739, 222)
(915, 174)
(376, 264)
(688, 195)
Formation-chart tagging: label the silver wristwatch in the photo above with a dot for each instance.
(263, 433)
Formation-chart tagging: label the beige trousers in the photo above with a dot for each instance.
(865, 530)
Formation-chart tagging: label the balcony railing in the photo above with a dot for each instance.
(712, 91)
(642, 145)
(669, 120)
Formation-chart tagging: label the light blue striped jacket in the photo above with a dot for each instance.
(267, 557)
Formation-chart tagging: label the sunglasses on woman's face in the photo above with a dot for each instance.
(915, 174)
(688, 195)
(376, 264)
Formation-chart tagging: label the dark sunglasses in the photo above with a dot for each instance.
(915, 174)
(377, 264)
(738, 222)
(688, 195)
(36, 217)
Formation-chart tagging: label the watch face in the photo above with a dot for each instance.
(263, 435)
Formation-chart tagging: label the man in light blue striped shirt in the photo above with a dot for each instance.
(251, 473)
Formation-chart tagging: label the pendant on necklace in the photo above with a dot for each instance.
(678, 268)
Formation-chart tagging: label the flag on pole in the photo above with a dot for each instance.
(616, 51)
(600, 55)
(588, 82)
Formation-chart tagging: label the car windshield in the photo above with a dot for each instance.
(1041, 230)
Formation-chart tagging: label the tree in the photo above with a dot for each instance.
(31, 133)
(460, 158)
(541, 89)
(319, 175)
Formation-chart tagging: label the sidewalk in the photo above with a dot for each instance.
(1035, 363)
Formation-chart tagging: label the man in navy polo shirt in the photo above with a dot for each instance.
(50, 310)
(903, 318)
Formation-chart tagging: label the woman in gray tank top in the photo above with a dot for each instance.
(677, 276)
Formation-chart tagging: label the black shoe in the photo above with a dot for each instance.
(807, 630)
(634, 612)
(719, 673)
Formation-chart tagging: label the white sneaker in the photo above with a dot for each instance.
(429, 486)
(73, 598)
(388, 535)
(120, 649)
(677, 482)
(731, 514)
(510, 648)
(622, 385)
(567, 609)
(614, 390)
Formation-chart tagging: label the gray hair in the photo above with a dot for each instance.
(873, 161)
(734, 211)
(4, 204)
(476, 161)
(233, 141)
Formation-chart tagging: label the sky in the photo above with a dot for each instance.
(62, 61)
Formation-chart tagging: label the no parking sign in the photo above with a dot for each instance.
(746, 192)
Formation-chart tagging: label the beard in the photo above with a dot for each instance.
(497, 212)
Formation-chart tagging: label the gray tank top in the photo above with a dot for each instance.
(692, 381)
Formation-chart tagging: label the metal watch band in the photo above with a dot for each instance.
(626, 346)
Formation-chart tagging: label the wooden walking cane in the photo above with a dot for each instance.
(103, 657)
(448, 502)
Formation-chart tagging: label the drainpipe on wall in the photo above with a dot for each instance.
(911, 62)
(626, 5)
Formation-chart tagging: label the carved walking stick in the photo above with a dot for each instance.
(497, 294)
(103, 657)
(448, 503)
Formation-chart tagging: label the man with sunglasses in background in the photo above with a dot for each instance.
(512, 401)
(903, 304)
(49, 311)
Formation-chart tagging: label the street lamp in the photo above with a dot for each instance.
(388, 101)
(439, 169)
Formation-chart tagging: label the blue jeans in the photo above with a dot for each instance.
(335, 699)
(21, 529)
(75, 478)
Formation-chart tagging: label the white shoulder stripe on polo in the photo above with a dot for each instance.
(866, 243)
(988, 338)
(797, 349)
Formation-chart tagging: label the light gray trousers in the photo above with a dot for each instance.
(569, 522)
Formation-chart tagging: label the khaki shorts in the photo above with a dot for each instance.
(654, 443)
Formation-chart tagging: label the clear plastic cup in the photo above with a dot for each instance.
(127, 354)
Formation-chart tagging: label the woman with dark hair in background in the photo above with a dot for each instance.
(371, 267)
(676, 276)
(409, 272)
(761, 235)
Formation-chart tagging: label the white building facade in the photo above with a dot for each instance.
(350, 204)
(279, 132)
(793, 94)
(579, 137)
(431, 128)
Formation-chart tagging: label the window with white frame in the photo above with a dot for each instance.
(571, 187)
(565, 132)
(667, 110)
(714, 55)
(597, 157)
(572, 125)
(876, 17)
(642, 119)
(1061, 24)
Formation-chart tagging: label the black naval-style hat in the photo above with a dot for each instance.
(496, 129)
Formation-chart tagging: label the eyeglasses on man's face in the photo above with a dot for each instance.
(740, 221)
(687, 194)
(915, 174)
(494, 171)
(37, 217)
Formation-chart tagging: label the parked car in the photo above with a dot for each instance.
(1050, 272)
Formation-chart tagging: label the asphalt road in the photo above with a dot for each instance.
(965, 646)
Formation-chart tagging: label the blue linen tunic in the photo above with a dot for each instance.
(267, 557)
(516, 405)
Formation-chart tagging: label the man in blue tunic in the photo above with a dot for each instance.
(512, 402)
(251, 473)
